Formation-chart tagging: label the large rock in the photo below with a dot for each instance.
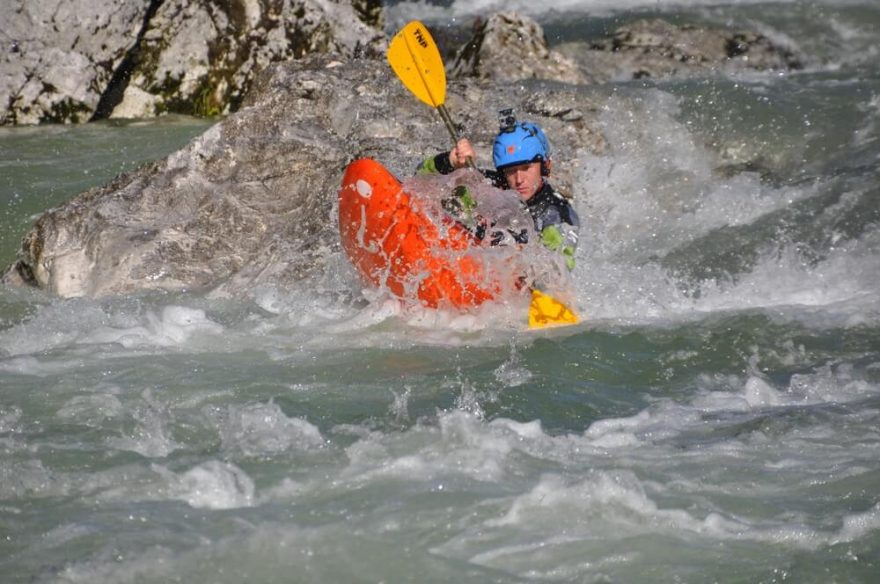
(75, 60)
(250, 202)
(58, 56)
(201, 57)
(657, 48)
(510, 47)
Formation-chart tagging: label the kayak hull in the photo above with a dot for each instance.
(395, 244)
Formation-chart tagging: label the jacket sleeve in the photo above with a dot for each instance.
(562, 236)
(439, 163)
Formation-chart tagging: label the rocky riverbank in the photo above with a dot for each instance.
(81, 60)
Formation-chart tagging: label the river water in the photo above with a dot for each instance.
(716, 418)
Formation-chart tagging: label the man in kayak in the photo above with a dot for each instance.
(521, 154)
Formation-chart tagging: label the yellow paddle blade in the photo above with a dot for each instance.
(414, 57)
(547, 311)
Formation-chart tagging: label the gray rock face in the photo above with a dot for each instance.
(57, 56)
(511, 47)
(201, 57)
(656, 48)
(75, 60)
(251, 201)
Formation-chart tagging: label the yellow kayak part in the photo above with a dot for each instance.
(546, 311)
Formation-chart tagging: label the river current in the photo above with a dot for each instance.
(715, 418)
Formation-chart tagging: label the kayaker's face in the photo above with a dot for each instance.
(524, 178)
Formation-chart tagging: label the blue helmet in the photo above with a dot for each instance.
(523, 142)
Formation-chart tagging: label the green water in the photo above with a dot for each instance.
(43, 166)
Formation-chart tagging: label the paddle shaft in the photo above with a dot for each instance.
(447, 119)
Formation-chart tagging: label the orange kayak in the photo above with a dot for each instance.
(395, 244)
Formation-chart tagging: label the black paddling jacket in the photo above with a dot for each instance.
(555, 219)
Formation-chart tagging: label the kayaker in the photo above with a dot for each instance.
(521, 154)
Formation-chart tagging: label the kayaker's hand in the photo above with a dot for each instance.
(462, 152)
